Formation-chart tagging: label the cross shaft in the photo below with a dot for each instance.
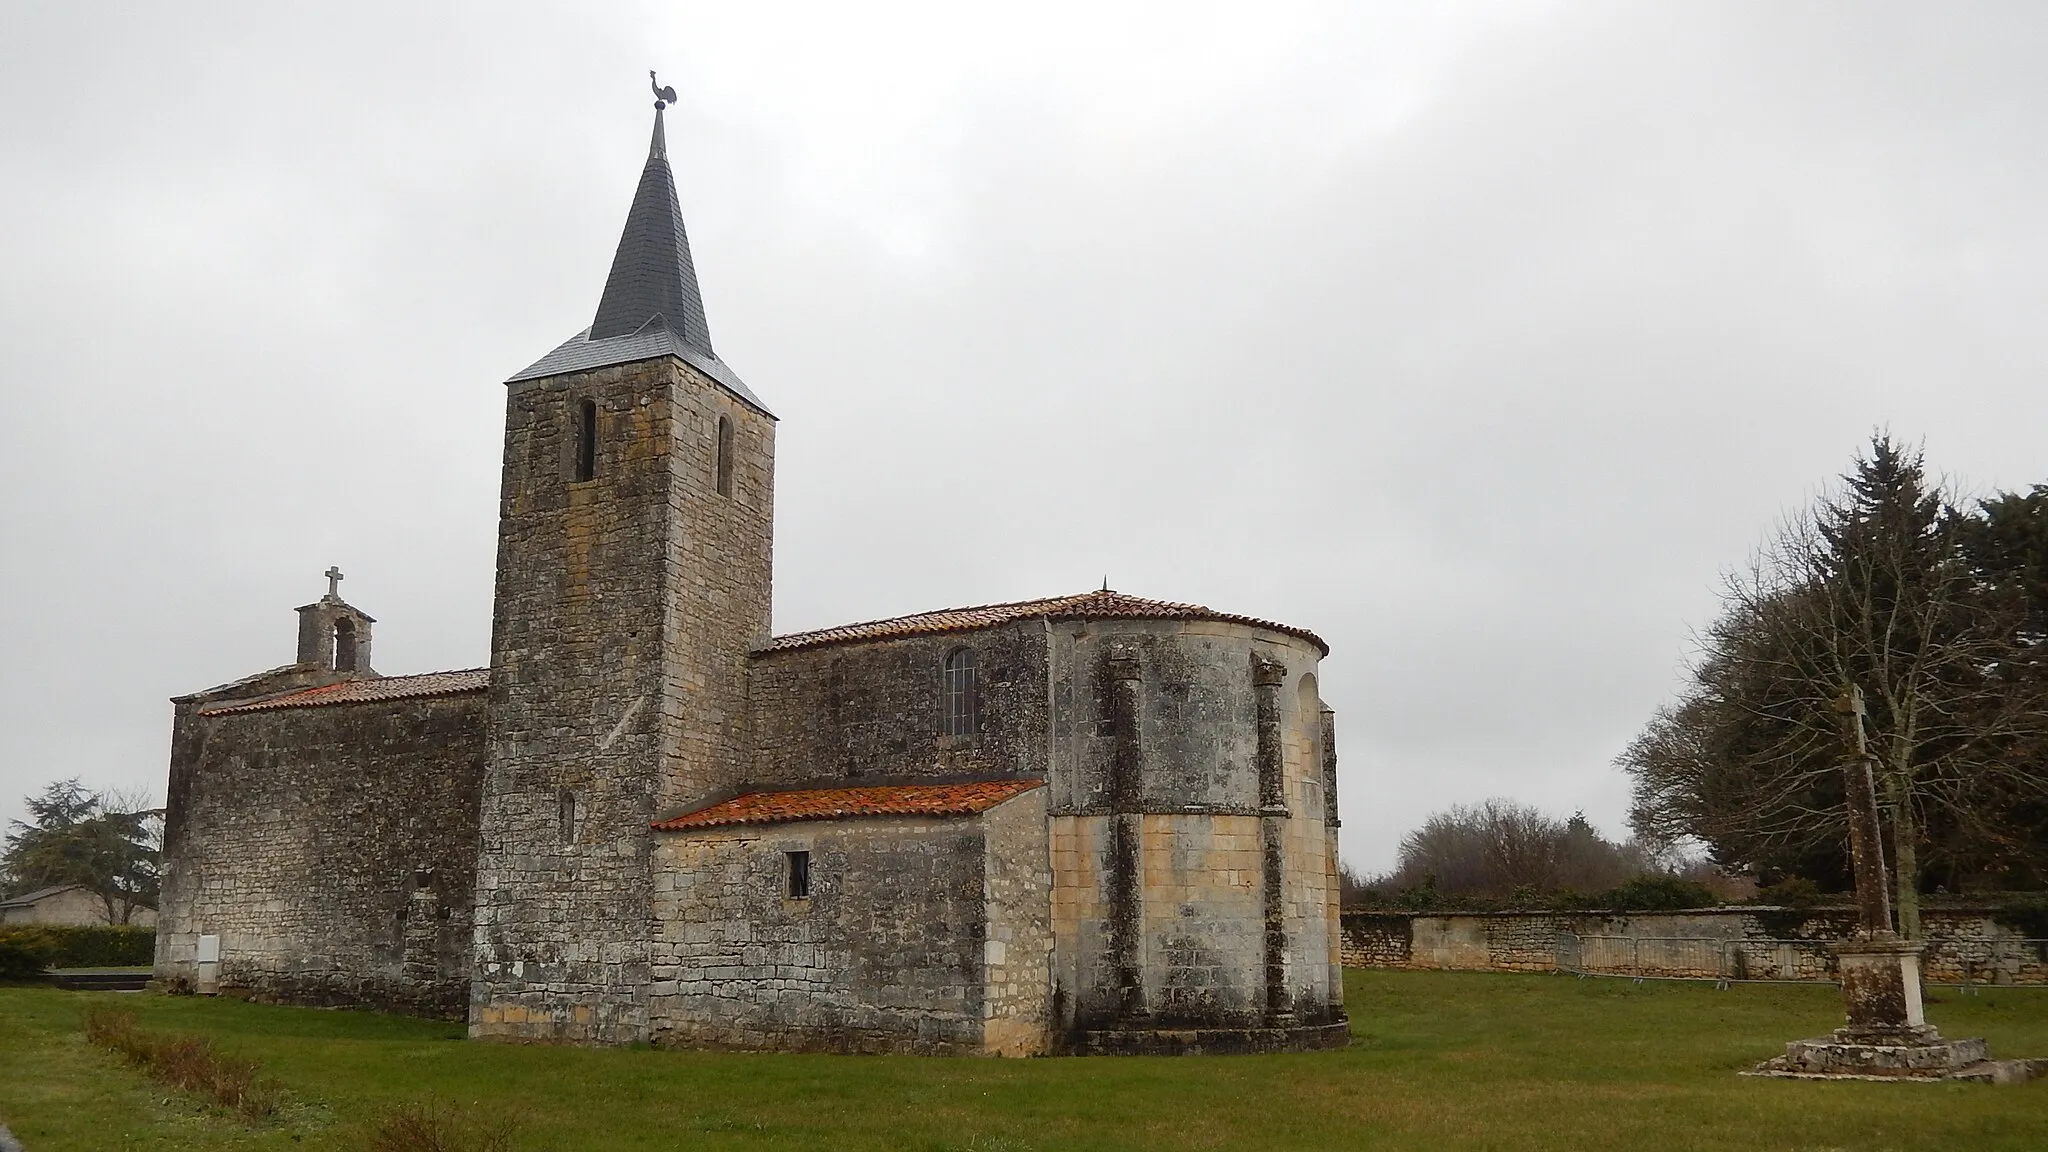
(1866, 847)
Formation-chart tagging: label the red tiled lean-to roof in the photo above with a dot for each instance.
(1100, 605)
(836, 803)
(365, 691)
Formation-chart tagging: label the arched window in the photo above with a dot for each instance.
(960, 695)
(586, 439)
(344, 645)
(724, 456)
(565, 813)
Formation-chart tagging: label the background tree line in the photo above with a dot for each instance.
(1501, 853)
(1937, 608)
(108, 842)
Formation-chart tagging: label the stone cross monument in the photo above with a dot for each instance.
(1887, 1036)
(1880, 972)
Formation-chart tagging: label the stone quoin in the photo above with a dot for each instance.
(1084, 823)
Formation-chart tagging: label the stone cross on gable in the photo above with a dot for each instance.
(333, 575)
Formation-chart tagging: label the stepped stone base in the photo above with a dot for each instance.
(1213, 1041)
(89, 980)
(1888, 1037)
(1905, 1053)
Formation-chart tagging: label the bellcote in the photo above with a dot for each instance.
(334, 635)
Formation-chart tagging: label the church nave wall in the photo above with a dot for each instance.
(331, 849)
(872, 710)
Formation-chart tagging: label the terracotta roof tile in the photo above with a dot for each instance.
(366, 691)
(1099, 605)
(838, 803)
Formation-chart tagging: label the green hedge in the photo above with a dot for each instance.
(1649, 893)
(66, 947)
(21, 959)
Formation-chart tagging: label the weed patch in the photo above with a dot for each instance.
(187, 1063)
(432, 1127)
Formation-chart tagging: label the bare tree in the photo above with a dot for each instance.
(1867, 588)
(134, 843)
(1499, 846)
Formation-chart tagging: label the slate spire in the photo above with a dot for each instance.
(651, 306)
(652, 278)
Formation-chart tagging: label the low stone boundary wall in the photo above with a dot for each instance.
(1762, 943)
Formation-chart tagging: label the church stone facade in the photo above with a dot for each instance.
(1087, 823)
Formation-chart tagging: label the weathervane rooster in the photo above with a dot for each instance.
(663, 96)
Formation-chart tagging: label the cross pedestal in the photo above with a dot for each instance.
(1881, 988)
(1888, 1036)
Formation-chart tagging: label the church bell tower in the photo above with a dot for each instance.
(635, 527)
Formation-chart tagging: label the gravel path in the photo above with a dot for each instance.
(7, 1141)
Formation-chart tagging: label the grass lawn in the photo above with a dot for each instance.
(1438, 1060)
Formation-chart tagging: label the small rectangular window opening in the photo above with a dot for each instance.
(565, 815)
(799, 875)
(586, 439)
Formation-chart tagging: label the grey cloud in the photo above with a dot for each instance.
(1479, 343)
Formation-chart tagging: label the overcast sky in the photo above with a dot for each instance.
(1479, 339)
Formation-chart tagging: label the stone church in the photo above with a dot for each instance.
(1085, 823)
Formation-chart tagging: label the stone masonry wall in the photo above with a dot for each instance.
(1084, 967)
(1017, 951)
(1312, 929)
(332, 849)
(1740, 943)
(576, 681)
(1204, 917)
(1187, 941)
(849, 712)
(625, 608)
(1378, 940)
(886, 954)
(720, 583)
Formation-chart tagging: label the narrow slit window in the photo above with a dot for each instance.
(724, 456)
(586, 439)
(565, 812)
(799, 875)
(960, 695)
